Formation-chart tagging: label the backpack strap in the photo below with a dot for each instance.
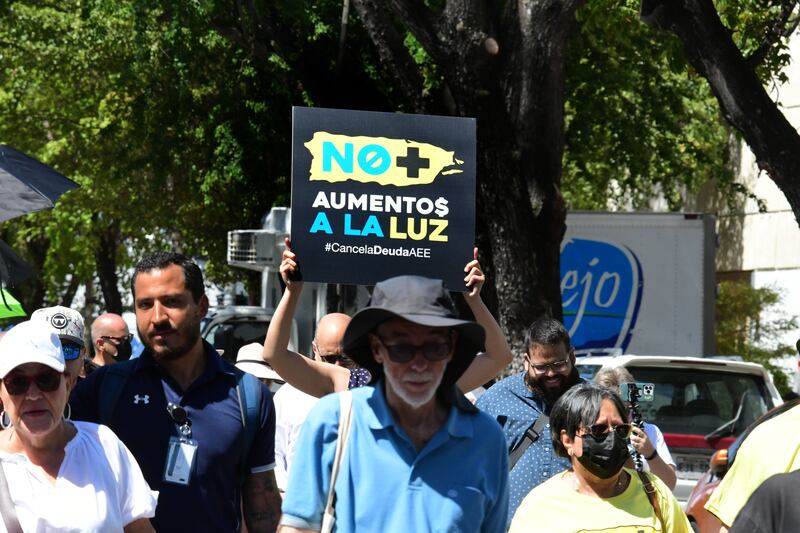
(248, 391)
(111, 387)
(532, 434)
(652, 495)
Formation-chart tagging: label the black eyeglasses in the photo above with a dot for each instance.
(46, 381)
(331, 358)
(557, 367)
(599, 432)
(403, 353)
(118, 340)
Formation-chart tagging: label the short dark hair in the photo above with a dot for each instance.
(546, 332)
(579, 407)
(192, 275)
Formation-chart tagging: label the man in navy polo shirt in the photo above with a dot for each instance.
(178, 412)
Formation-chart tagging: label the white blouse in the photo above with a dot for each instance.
(99, 487)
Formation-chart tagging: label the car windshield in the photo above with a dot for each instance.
(698, 402)
(230, 336)
(588, 372)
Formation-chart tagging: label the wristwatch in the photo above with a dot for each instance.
(652, 455)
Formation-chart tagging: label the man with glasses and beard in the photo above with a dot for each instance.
(111, 340)
(521, 403)
(180, 410)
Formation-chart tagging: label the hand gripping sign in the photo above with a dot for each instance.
(377, 195)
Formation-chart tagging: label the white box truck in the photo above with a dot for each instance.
(639, 283)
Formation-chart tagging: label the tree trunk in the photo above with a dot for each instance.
(106, 261)
(503, 63)
(70, 291)
(745, 103)
(512, 78)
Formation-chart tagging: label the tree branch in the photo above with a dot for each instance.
(240, 39)
(392, 50)
(418, 19)
(342, 36)
(745, 103)
(779, 28)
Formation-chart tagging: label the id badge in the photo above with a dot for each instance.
(180, 459)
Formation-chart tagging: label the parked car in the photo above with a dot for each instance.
(719, 464)
(701, 404)
(229, 328)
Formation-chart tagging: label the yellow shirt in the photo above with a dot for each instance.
(772, 448)
(556, 507)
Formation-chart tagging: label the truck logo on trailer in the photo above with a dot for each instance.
(601, 291)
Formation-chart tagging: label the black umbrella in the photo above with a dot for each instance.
(26, 185)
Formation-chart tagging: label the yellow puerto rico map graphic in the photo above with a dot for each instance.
(401, 162)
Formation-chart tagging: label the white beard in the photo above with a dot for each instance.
(414, 401)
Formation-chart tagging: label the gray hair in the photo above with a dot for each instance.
(579, 408)
(612, 378)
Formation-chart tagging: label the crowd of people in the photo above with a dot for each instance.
(393, 422)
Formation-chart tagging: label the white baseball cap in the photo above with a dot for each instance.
(249, 360)
(30, 342)
(65, 322)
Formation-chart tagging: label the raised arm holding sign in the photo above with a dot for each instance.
(319, 378)
(309, 375)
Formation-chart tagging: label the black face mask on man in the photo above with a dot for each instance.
(604, 458)
(124, 351)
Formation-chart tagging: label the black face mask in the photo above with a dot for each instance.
(124, 351)
(604, 458)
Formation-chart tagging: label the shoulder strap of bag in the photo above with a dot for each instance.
(532, 434)
(345, 412)
(7, 505)
(248, 392)
(111, 387)
(652, 495)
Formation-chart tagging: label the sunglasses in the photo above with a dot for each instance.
(46, 381)
(70, 351)
(403, 353)
(557, 367)
(599, 432)
(118, 340)
(331, 358)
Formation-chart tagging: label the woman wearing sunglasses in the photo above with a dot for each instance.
(588, 425)
(55, 474)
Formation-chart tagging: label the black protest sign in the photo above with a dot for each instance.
(377, 195)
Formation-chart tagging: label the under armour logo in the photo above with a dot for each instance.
(144, 399)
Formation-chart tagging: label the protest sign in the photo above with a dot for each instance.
(377, 195)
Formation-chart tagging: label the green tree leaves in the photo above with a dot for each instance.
(745, 327)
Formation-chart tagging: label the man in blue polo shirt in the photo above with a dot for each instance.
(177, 410)
(519, 401)
(420, 457)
